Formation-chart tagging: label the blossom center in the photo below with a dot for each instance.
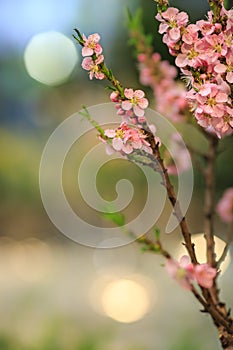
(120, 134)
(134, 101)
(192, 54)
(211, 101)
(181, 273)
(91, 45)
(229, 67)
(218, 48)
(172, 24)
(227, 120)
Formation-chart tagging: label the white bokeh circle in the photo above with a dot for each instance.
(50, 57)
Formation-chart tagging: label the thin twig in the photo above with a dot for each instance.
(176, 206)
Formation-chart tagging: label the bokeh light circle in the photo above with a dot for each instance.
(50, 57)
(125, 301)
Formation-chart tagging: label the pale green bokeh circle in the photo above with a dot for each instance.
(50, 57)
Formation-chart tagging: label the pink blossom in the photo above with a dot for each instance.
(212, 47)
(226, 68)
(91, 45)
(204, 275)
(169, 93)
(172, 20)
(223, 126)
(135, 101)
(141, 57)
(93, 66)
(210, 100)
(126, 139)
(229, 15)
(114, 97)
(206, 27)
(225, 206)
(189, 56)
(184, 272)
(190, 35)
(179, 271)
(216, 44)
(204, 54)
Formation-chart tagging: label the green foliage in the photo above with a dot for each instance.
(137, 33)
(116, 218)
(6, 343)
(157, 233)
(187, 342)
(85, 114)
(87, 344)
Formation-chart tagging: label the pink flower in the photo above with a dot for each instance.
(204, 275)
(135, 101)
(114, 96)
(189, 56)
(227, 68)
(170, 95)
(210, 100)
(126, 139)
(204, 54)
(229, 15)
(179, 271)
(190, 35)
(184, 272)
(217, 44)
(206, 27)
(225, 206)
(93, 66)
(212, 47)
(172, 20)
(91, 45)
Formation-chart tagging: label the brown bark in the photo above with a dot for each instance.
(176, 206)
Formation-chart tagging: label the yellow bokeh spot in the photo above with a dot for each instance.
(125, 300)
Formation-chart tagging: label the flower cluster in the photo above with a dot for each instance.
(205, 55)
(185, 272)
(93, 58)
(132, 106)
(225, 206)
(126, 139)
(170, 94)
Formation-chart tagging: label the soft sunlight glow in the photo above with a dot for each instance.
(50, 57)
(30, 260)
(200, 249)
(125, 301)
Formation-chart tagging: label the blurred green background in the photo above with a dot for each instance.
(51, 289)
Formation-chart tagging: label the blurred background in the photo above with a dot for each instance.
(54, 293)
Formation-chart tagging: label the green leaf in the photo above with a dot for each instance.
(157, 233)
(116, 218)
(144, 248)
(85, 114)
